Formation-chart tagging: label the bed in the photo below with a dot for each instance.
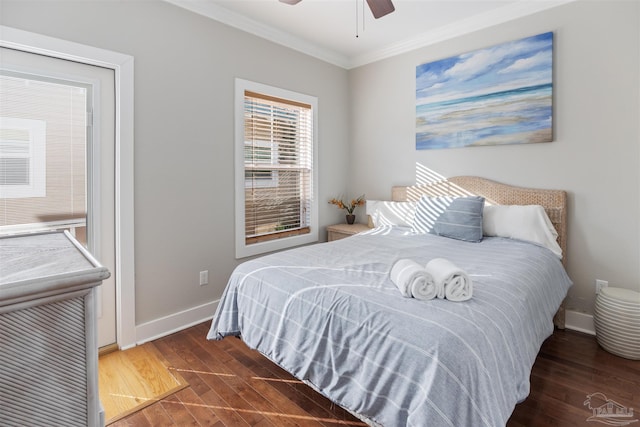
(330, 314)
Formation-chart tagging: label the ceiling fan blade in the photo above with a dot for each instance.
(290, 1)
(380, 8)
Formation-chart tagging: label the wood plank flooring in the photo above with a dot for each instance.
(231, 385)
(134, 378)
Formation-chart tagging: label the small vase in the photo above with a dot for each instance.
(351, 219)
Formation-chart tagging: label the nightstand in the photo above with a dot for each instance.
(340, 231)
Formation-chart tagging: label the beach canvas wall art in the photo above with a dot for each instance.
(498, 95)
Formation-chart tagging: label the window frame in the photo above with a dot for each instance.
(242, 248)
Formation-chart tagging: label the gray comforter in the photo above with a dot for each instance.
(330, 315)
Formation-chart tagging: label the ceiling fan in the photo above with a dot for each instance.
(379, 8)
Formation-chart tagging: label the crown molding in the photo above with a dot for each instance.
(497, 16)
(459, 28)
(259, 29)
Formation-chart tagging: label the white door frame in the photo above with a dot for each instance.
(124, 227)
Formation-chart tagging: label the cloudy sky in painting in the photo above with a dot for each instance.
(520, 63)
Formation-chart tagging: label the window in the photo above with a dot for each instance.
(276, 205)
(43, 150)
(22, 158)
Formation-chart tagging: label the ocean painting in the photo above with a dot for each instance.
(498, 95)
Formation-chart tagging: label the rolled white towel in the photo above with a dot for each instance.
(424, 289)
(413, 280)
(453, 283)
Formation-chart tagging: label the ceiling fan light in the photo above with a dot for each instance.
(290, 1)
(380, 8)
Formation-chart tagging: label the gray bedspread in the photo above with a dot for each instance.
(330, 315)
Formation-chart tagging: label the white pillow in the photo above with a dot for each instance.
(528, 222)
(385, 212)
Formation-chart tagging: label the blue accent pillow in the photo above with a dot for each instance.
(454, 217)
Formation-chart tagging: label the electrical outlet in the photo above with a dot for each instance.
(601, 284)
(204, 277)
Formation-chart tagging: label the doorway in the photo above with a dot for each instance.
(57, 158)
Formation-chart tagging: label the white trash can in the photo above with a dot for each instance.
(617, 321)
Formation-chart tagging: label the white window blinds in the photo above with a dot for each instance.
(43, 152)
(278, 162)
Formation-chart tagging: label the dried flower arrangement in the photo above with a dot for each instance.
(349, 207)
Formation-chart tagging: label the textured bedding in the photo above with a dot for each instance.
(330, 315)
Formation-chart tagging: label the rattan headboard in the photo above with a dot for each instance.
(553, 201)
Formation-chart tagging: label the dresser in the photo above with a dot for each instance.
(48, 343)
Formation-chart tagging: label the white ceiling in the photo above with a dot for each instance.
(327, 29)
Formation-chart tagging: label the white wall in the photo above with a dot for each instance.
(185, 66)
(595, 154)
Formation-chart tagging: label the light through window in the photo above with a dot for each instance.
(43, 154)
(278, 167)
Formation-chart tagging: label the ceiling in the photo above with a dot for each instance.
(337, 31)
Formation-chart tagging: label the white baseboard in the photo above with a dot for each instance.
(581, 322)
(167, 325)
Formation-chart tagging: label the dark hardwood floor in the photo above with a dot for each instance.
(231, 385)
